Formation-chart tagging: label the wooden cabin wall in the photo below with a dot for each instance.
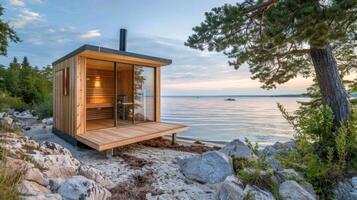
(157, 94)
(64, 113)
(80, 108)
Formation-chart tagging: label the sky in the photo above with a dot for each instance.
(50, 29)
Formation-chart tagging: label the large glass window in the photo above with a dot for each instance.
(124, 94)
(144, 94)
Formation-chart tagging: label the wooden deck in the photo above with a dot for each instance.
(109, 138)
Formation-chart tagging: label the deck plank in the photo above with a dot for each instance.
(107, 138)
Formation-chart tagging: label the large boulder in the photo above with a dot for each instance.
(43, 197)
(209, 167)
(271, 150)
(16, 166)
(291, 190)
(354, 187)
(274, 163)
(55, 183)
(60, 166)
(237, 149)
(253, 192)
(17, 145)
(342, 190)
(2, 115)
(26, 118)
(55, 160)
(30, 188)
(7, 122)
(231, 189)
(288, 174)
(51, 148)
(96, 175)
(35, 175)
(79, 187)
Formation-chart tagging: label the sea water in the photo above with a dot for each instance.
(214, 119)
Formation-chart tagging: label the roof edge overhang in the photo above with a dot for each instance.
(92, 48)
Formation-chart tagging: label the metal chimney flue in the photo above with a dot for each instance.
(123, 38)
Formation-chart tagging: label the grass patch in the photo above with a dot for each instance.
(8, 183)
(262, 180)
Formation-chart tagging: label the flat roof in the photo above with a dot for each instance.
(111, 51)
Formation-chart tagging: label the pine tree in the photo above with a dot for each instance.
(6, 34)
(12, 78)
(281, 39)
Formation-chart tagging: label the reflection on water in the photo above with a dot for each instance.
(213, 119)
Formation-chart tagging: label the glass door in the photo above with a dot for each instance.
(124, 94)
(144, 94)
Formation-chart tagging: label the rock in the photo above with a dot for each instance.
(16, 166)
(7, 122)
(164, 197)
(60, 166)
(35, 175)
(274, 163)
(209, 167)
(43, 197)
(354, 188)
(96, 175)
(17, 145)
(2, 115)
(277, 147)
(51, 148)
(30, 188)
(231, 189)
(48, 121)
(291, 190)
(55, 160)
(55, 183)
(78, 187)
(253, 192)
(288, 174)
(26, 118)
(343, 189)
(237, 149)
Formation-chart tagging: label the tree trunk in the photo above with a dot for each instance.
(332, 90)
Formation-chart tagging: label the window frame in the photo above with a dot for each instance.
(65, 81)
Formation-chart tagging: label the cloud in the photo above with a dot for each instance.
(90, 34)
(25, 17)
(16, 3)
(36, 2)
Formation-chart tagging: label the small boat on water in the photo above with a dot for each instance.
(230, 99)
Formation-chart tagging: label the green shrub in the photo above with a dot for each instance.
(256, 172)
(323, 155)
(44, 109)
(7, 102)
(260, 179)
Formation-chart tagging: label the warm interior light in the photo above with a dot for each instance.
(97, 82)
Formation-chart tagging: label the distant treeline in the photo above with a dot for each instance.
(23, 86)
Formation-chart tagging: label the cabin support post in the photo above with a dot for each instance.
(173, 139)
(109, 153)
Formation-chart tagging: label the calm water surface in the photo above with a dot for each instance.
(213, 119)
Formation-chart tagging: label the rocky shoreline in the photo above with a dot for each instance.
(50, 168)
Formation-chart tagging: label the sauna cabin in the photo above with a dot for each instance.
(106, 98)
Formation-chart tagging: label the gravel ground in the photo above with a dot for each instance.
(169, 181)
